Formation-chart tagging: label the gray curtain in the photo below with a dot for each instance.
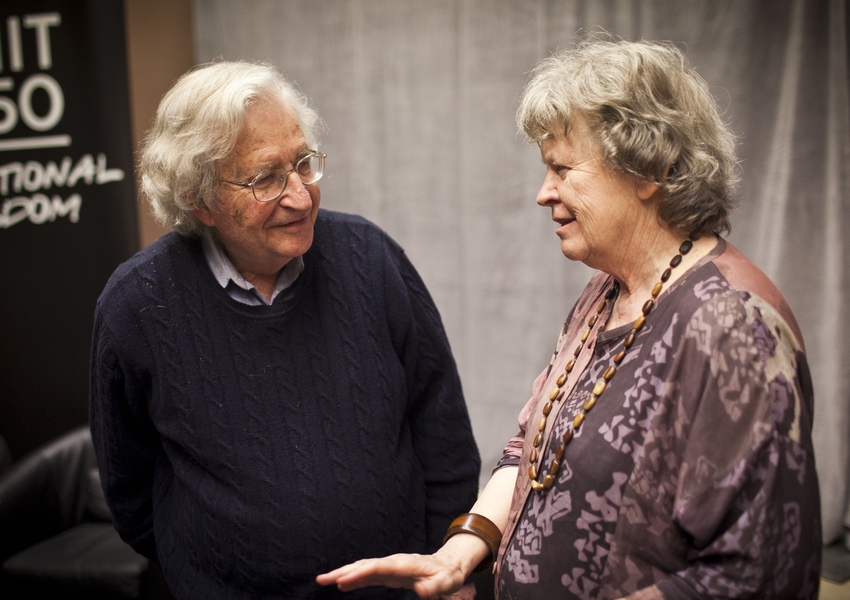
(419, 99)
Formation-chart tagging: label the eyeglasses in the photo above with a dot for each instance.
(268, 186)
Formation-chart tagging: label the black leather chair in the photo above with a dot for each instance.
(56, 533)
(5, 456)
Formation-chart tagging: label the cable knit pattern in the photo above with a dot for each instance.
(250, 448)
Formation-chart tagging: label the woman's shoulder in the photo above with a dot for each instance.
(728, 291)
(749, 281)
(741, 337)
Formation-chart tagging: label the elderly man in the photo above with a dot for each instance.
(272, 391)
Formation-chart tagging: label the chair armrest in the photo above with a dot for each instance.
(45, 492)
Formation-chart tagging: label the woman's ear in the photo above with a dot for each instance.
(645, 190)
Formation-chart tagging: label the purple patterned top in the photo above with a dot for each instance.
(694, 475)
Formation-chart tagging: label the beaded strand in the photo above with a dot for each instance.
(557, 394)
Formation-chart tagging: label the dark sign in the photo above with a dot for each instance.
(67, 203)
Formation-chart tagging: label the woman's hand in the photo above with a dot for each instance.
(441, 573)
(429, 576)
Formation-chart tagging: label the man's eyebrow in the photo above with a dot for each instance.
(270, 165)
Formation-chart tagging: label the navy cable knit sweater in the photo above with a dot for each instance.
(249, 448)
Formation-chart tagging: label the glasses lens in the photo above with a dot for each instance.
(310, 168)
(269, 186)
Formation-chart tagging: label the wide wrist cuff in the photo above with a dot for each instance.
(481, 527)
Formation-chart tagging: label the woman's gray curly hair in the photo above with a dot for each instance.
(651, 115)
(196, 128)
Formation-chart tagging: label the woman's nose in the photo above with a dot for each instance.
(548, 192)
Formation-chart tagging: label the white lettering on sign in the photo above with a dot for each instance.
(42, 35)
(16, 51)
(20, 107)
(39, 209)
(23, 184)
(24, 106)
(42, 23)
(33, 176)
(57, 102)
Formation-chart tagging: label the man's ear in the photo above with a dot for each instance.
(204, 216)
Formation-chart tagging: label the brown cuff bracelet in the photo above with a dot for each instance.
(481, 527)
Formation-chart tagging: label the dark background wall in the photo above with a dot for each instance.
(54, 265)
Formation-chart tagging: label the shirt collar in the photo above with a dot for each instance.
(231, 280)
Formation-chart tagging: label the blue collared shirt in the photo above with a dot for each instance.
(236, 286)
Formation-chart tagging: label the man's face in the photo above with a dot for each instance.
(260, 238)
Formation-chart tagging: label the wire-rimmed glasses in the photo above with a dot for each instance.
(269, 185)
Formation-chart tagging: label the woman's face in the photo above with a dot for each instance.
(596, 209)
(260, 238)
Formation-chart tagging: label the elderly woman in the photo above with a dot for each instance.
(666, 450)
(272, 391)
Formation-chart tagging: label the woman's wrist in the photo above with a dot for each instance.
(464, 552)
(481, 538)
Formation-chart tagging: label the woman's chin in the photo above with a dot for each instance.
(573, 251)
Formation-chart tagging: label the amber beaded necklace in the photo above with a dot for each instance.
(557, 394)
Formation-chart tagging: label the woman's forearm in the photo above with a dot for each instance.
(494, 502)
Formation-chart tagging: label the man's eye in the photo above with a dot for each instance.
(267, 180)
(306, 167)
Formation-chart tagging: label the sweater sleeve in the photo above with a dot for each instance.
(125, 441)
(441, 430)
